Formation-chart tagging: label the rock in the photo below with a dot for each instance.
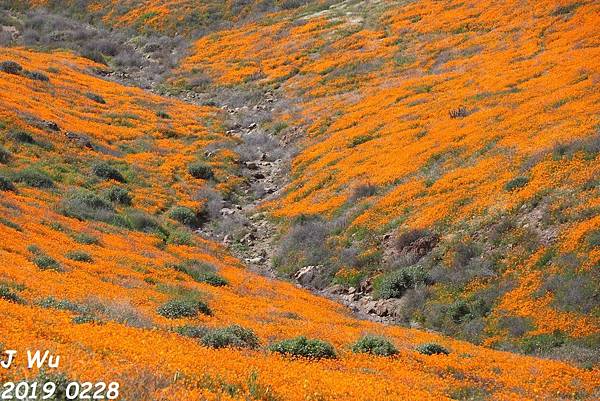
(307, 275)
(258, 176)
(366, 285)
(51, 125)
(335, 289)
(370, 306)
(82, 140)
(251, 165)
(351, 290)
(227, 212)
(252, 126)
(255, 261)
(381, 308)
(248, 239)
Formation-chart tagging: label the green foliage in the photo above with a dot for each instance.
(79, 256)
(61, 304)
(21, 137)
(192, 331)
(5, 155)
(84, 319)
(34, 178)
(11, 67)
(45, 262)
(9, 295)
(10, 224)
(180, 308)
(106, 171)
(396, 283)
(36, 75)
(304, 347)
(163, 114)
(541, 343)
(141, 221)
(201, 272)
(95, 97)
(200, 170)
(85, 239)
(516, 183)
(432, 349)
(359, 140)
(567, 9)
(230, 336)
(118, 195)
(86, 205)
(593, 238)
(184, 215)
(258, 391)
(376, 345)
(180, 237)
(6, 184)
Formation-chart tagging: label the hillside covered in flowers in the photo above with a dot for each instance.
(430, 164)
(472, 126)
(87, 273)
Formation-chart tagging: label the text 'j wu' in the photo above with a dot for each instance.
(35, 359)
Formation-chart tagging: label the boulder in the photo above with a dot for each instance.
(307, 275)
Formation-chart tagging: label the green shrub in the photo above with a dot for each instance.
(180, 237)
(232, 336)
(11, 67)
(396, 283)
(21, 137)
(36, 75)
(61, 304)
(6, 184)
(79, 256)
(304, 347)
(432, 349)
(34, 178)
(10, 224)
(85, 239)
(184, 215)
(516, 183)
(139, 220)
(200, 170)
(201, 272)
(95, 97)
(118, 195)
(107, 172)
(86, 205)
(376, 345)
(359, 140)
(192, 331)
(9, 295)
(593, 238)
(84, 319)
(163, 114)
(5, 155)
(179, 308)
(541, 343)
(212, 279)
(45, 262)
